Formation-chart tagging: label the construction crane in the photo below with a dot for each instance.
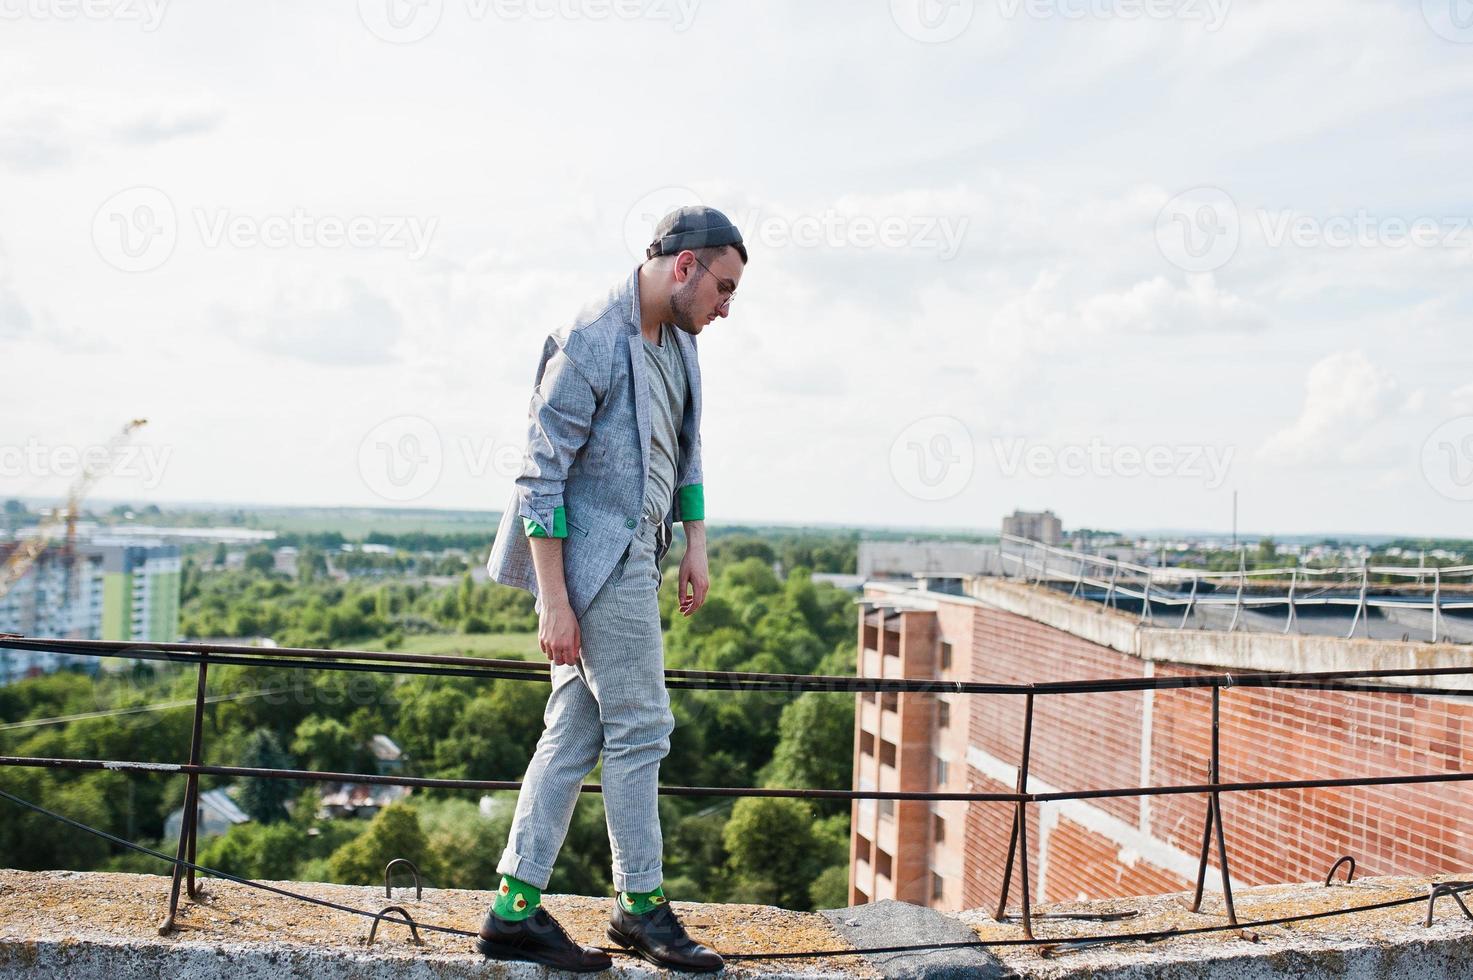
(94, 468)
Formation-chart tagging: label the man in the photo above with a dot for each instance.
(613, 459)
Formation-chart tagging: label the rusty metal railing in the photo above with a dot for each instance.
(202, 656)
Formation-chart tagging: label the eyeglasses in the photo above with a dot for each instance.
(725, 288)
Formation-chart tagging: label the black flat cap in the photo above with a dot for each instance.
(695, 226)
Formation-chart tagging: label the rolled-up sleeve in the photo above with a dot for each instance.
(690, 493)
(559, 419)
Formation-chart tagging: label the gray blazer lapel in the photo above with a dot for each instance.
(633, 341)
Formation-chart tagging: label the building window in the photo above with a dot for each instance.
(892, 643)
(861, 848)
(871, 638)
(938, 828)
(938, 887)
(943, 714)
(946, 656)
(887, 753)
(866, 743)
(882, 863)
(943, 771)
(890, 701)
(868, 696)
(860, 898)
(887, 810)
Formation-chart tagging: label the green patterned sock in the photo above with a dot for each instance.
(638, 903)
(515, 899)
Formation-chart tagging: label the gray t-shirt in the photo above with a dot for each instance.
(668, 389)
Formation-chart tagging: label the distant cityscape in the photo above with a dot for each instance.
(120, 580)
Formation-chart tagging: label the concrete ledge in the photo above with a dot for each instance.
(1215, 650)
(1303, 652)
(1389, 943)
(1085, 619)
(88, 926)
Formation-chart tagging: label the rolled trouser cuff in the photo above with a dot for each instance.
(534, 874)
(639, 881)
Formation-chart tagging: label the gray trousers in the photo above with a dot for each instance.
(611, 701)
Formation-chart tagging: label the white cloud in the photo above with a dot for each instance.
(40, 134)
(1346, 398)
(1159, 306)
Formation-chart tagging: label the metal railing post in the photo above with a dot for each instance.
(189, 817)
(1436, 603)
(1214, 820)
(1191, 602)
(1360, 605)
(1242, 583)
(1293, 583)
(1018, 839)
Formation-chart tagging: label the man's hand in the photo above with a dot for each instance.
(558, 633)
(695, 579)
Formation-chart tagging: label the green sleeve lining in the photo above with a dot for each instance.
(559, 525)
(690, 503)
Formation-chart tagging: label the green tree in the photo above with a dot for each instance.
(815, 746)
(262, 851)
(264, 800)
(772, 847)
(327, 744)
(260, 560)
(394, 833)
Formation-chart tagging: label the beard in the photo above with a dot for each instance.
(683, 307)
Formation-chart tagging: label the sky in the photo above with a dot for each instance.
(1115, 259)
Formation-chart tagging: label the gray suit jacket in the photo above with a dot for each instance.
(588, 450)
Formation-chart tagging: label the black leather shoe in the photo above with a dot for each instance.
(538, 939)
(659, 937)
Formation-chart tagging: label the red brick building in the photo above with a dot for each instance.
(950, 855)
